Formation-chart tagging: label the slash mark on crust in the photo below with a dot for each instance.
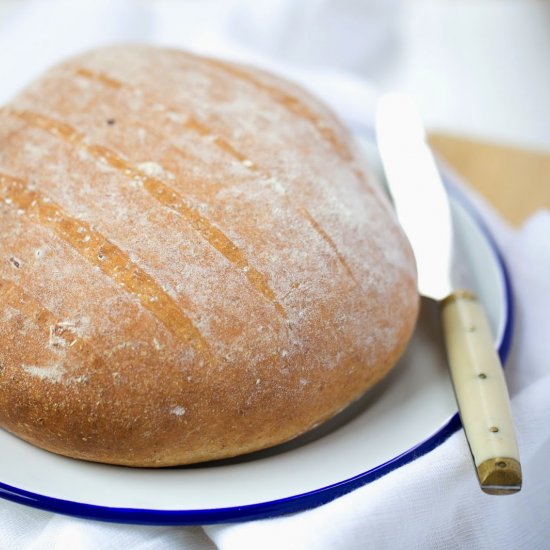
(288, 101)
(187, 120)
(191, 123)
(163, 193)
(101, 253)
(326, 237)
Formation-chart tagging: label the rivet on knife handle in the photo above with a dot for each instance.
(481, 393)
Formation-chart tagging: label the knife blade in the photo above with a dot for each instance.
(423, 210)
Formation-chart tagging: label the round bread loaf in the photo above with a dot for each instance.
(193, 263)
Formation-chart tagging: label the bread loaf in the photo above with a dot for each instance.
(193, 263)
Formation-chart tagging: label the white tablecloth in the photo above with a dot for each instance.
(435, 501)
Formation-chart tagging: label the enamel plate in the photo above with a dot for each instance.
(408, 414)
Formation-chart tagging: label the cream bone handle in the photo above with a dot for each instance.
(481, 393)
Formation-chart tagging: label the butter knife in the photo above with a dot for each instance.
(422, 207)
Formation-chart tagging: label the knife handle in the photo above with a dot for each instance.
(481, 393)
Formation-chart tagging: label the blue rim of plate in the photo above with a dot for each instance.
(295, 503)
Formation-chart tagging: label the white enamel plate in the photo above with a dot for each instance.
(411, 412)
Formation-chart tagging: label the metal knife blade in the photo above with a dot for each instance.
(423, 210)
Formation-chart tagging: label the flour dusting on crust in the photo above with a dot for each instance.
(192, 255)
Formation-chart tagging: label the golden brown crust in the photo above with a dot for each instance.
(193, 264)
